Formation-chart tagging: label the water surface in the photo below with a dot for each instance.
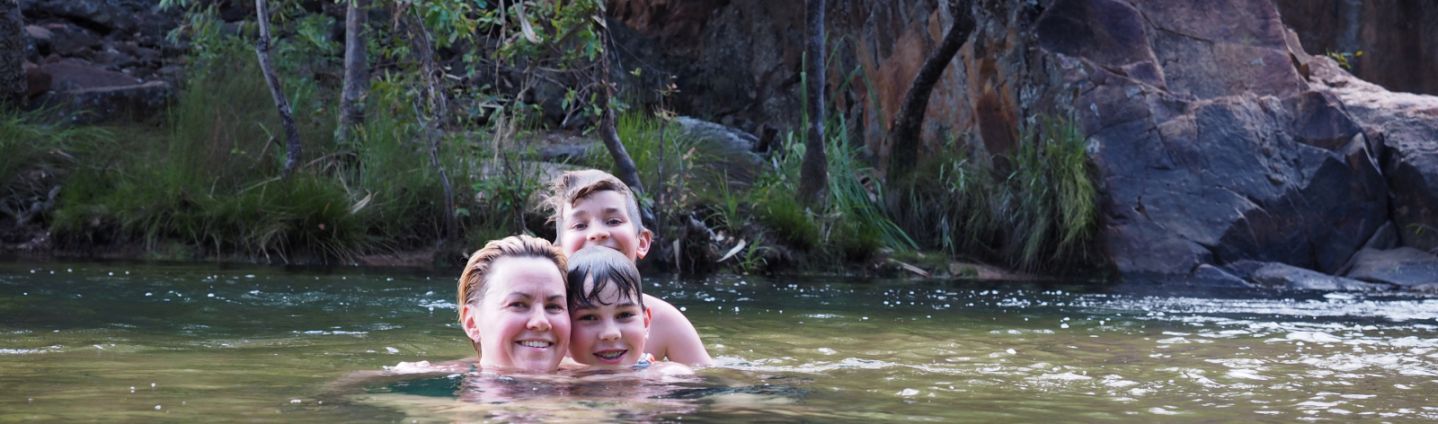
(95, 341)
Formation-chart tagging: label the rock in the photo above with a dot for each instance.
(1399, 39)
(1405, 267)
(731, 149)
(1281, 276)
(69, 40)
(88, 94)
(1406, 126)
(37, 81)
(105, 15)
(1212, 276)
(1385, 238)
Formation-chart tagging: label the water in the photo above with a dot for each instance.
(138, 343)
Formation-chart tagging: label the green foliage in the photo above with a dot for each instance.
(1041, 215)
(33, 153)
(1346, 59)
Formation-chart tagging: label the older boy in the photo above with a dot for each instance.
(593, 208)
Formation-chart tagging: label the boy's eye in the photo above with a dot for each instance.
(626, 315)
(587, 317)
(614, 221)
(578, 226)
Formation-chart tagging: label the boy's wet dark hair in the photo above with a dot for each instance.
(605, 266)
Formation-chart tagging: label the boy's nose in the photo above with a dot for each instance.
(598, 235)
(610, 333)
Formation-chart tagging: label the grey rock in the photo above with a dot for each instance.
(1405, 266)
(1282, 276)
(1212, 276)
(1385, 238)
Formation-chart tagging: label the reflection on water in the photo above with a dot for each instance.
(100, 341)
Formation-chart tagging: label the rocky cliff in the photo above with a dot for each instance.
(1218, 141)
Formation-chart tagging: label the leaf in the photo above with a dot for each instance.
(524, 24)
(738, 247)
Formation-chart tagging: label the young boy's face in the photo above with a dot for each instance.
(601, 219)
(611, 331)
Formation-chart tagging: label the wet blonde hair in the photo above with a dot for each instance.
(472, 279)
(571, 187)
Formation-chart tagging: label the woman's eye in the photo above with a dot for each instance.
(554, 307)
(518, 305)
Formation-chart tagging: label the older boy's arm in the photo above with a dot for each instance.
(679, 340)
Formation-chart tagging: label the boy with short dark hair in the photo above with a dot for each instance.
(594, 208)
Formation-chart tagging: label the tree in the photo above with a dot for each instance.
(814, 173)
(262, 49)
(432, 108)
(356, 79)
(12, 53)
(904, 133)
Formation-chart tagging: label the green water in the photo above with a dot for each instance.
(90, 342)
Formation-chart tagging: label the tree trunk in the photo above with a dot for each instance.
(814, 173)
(12, 54)
(628, 173)
(292, 134)
(904, 133)
(356, 80)
(436, 107)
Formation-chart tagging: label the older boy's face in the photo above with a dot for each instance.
(600, 219)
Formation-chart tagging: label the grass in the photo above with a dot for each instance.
(1039, 216)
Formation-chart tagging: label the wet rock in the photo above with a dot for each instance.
(1405, 267)
(1281, 276)
(1212, 276)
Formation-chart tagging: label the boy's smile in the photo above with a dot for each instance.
(600, 219)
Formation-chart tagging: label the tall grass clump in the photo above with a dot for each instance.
(35, 155)
(210, 178)
(851, 224)
(1038, 216)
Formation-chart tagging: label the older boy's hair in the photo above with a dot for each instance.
(603, 266)
(472, 280)
(570, 187)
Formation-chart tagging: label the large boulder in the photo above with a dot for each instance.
(1404, 267)
(1209, 143)
(1407, 126)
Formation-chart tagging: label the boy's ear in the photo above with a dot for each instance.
(645, 237)
(469, 322)
(648, 317)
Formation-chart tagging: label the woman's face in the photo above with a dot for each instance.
(521, 323)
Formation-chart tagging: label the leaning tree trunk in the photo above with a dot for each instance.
(356, 80)
(904, 133)
(628, 173)
(12, 54)
(432, 115)
(814, 173)
(262, 48)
